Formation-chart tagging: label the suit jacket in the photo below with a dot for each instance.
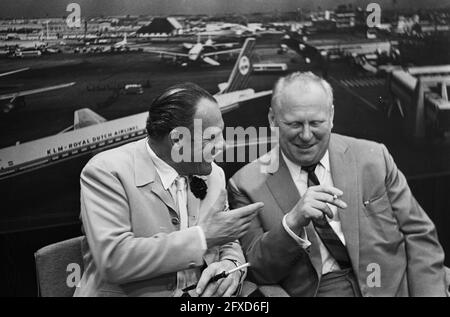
(133, 244)
(385, 229)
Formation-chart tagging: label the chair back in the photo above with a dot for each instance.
(59, 268)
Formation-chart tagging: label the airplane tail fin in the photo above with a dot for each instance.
(209, 41)
(86, 117)
(240, 75)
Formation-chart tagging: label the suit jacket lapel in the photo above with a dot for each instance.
(285, 192)
(145, 174)
(282, 187)
(344, 174)
(157, 188)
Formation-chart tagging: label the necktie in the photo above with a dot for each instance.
(188, 276)
(180, 182)
(329, 238)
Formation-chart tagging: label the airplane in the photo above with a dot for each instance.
(101, 46)
(196, 54)
(26, 53)
(16, 100)
(22, 48)
(122, 44)
(91, 133)
(367, 54)
(25, 44)
(209, 44)
(232, 30)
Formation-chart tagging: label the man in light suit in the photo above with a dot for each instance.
(154, 223)
(339, 218)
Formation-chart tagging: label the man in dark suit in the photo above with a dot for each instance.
(339, 218)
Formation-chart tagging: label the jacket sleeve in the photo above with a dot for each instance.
(425, 256)
(232, 250)
(120, 256)
(271, 253)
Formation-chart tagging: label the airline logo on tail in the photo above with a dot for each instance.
(242, 69)
(244, 65)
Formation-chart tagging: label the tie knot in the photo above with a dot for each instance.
(180, 181)
(309, 169)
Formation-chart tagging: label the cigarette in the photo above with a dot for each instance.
(219, 276)
(240, 267)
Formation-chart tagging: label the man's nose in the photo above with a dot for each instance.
(306, 134)
(219, 145)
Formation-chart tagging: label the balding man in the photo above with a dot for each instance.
(155, 223)
(339, 218)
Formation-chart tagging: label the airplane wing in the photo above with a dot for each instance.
(188, 46)
(14, 71)
(224, 45)
(34, 91)
(210, 61)
(236, 50)
(168, 53)
(257, 95)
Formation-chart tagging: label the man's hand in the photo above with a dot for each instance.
(224, 287)
(221, 227)
(313, 206)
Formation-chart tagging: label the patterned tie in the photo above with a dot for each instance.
(329, 238)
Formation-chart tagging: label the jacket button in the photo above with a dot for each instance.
(175, 221)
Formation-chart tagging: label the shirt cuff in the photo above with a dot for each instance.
(301, 240)
(202, 238)
(241, 278)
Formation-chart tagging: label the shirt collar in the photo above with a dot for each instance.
(295, 168)
(166, 172)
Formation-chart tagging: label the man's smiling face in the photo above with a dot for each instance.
(305, 119)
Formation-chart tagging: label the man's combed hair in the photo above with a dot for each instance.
(303, 80)
(175, 107)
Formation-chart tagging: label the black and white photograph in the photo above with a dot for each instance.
(244, 149)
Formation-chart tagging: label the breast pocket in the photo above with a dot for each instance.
(380, 217)
(377, 204)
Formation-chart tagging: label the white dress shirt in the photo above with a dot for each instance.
(170, 178)
(300, 178)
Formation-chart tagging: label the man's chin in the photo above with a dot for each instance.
(305, 157)
(204, 169)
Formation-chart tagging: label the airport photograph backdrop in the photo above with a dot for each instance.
(77, 78)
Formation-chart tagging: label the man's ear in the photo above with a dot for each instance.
(175, 137)
(271, 117)
(332, 116)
